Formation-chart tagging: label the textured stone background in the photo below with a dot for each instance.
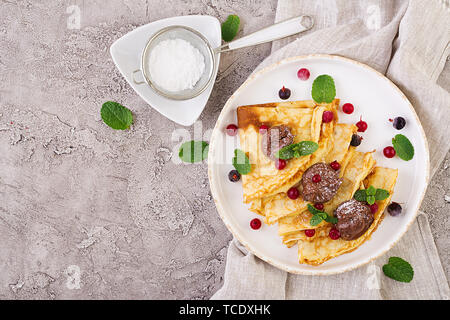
(79, 198)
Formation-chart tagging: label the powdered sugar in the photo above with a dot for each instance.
(176, 65)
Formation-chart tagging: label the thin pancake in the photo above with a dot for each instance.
(304, 118)
(358, 168)
(321, 247)
(281, 205)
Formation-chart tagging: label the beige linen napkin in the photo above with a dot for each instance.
(409, 42)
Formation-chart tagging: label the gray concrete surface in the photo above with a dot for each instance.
(90, 213)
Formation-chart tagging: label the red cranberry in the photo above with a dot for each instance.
(303, 74)
(327, 116)
(335, 165)
(316, 178)
(389, 152)
(362, 125)
(310, 233)
(232, 130)
(293, 193)
(334, 234)
(280, 164)
(348, 108)
(318, 206)
(255, 224)
(263, 129)
(374, 208)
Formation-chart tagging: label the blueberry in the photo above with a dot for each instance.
(356, 140)
(399, 123)
(394, 209)
(284, 93)
(234, 176)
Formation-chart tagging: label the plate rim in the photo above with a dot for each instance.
(217, 131)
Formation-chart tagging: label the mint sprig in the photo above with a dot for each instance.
(323, 89)
(371, 194)
(403, 147)
(319, 216)
(297, 150)
(398, 269)
(116, 115)
(230, 27)
(241, 162)
(193, 151)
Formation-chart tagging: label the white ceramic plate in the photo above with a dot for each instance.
(376, 99)
(127, 52)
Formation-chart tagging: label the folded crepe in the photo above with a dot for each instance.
(320, 248)
(280, 205)
(304, 118)
(358, 168)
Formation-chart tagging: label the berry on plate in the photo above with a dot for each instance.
(303, 74)
(348, 108)
(284, 93)
(255, 224)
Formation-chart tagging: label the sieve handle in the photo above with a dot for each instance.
(134, 79)
(277, 31)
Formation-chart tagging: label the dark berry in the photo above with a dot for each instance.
(373, 208)
(316, 178)
(334, 234)
(399, 123)
(319, 206)
(356, 140)
(394, 209)
(362, 125)
(303, 74)
(310, 233)
(327, 116)
(284, 93)
(232, 129)
(234, 176)
(389, 152)
(348, 108)
(280, 164)
(263, 129)
(255, 224)
(335, 165)
(293, 193)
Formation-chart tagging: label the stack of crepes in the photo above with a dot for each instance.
(265, 186)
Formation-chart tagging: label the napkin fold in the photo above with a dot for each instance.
(409, 41)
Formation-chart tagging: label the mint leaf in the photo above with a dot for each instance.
(241, 162)
(370, 200)
(116, 115)
(193, 151)
(323, 89)
(403, 147)
(230, 27)
(398, 269)
(371, 191)
(360, 195)
(381, 194)
(315, 220)
(332, 220)
(287, 152)
(319, 216)
(312, 209)
(297, 150)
